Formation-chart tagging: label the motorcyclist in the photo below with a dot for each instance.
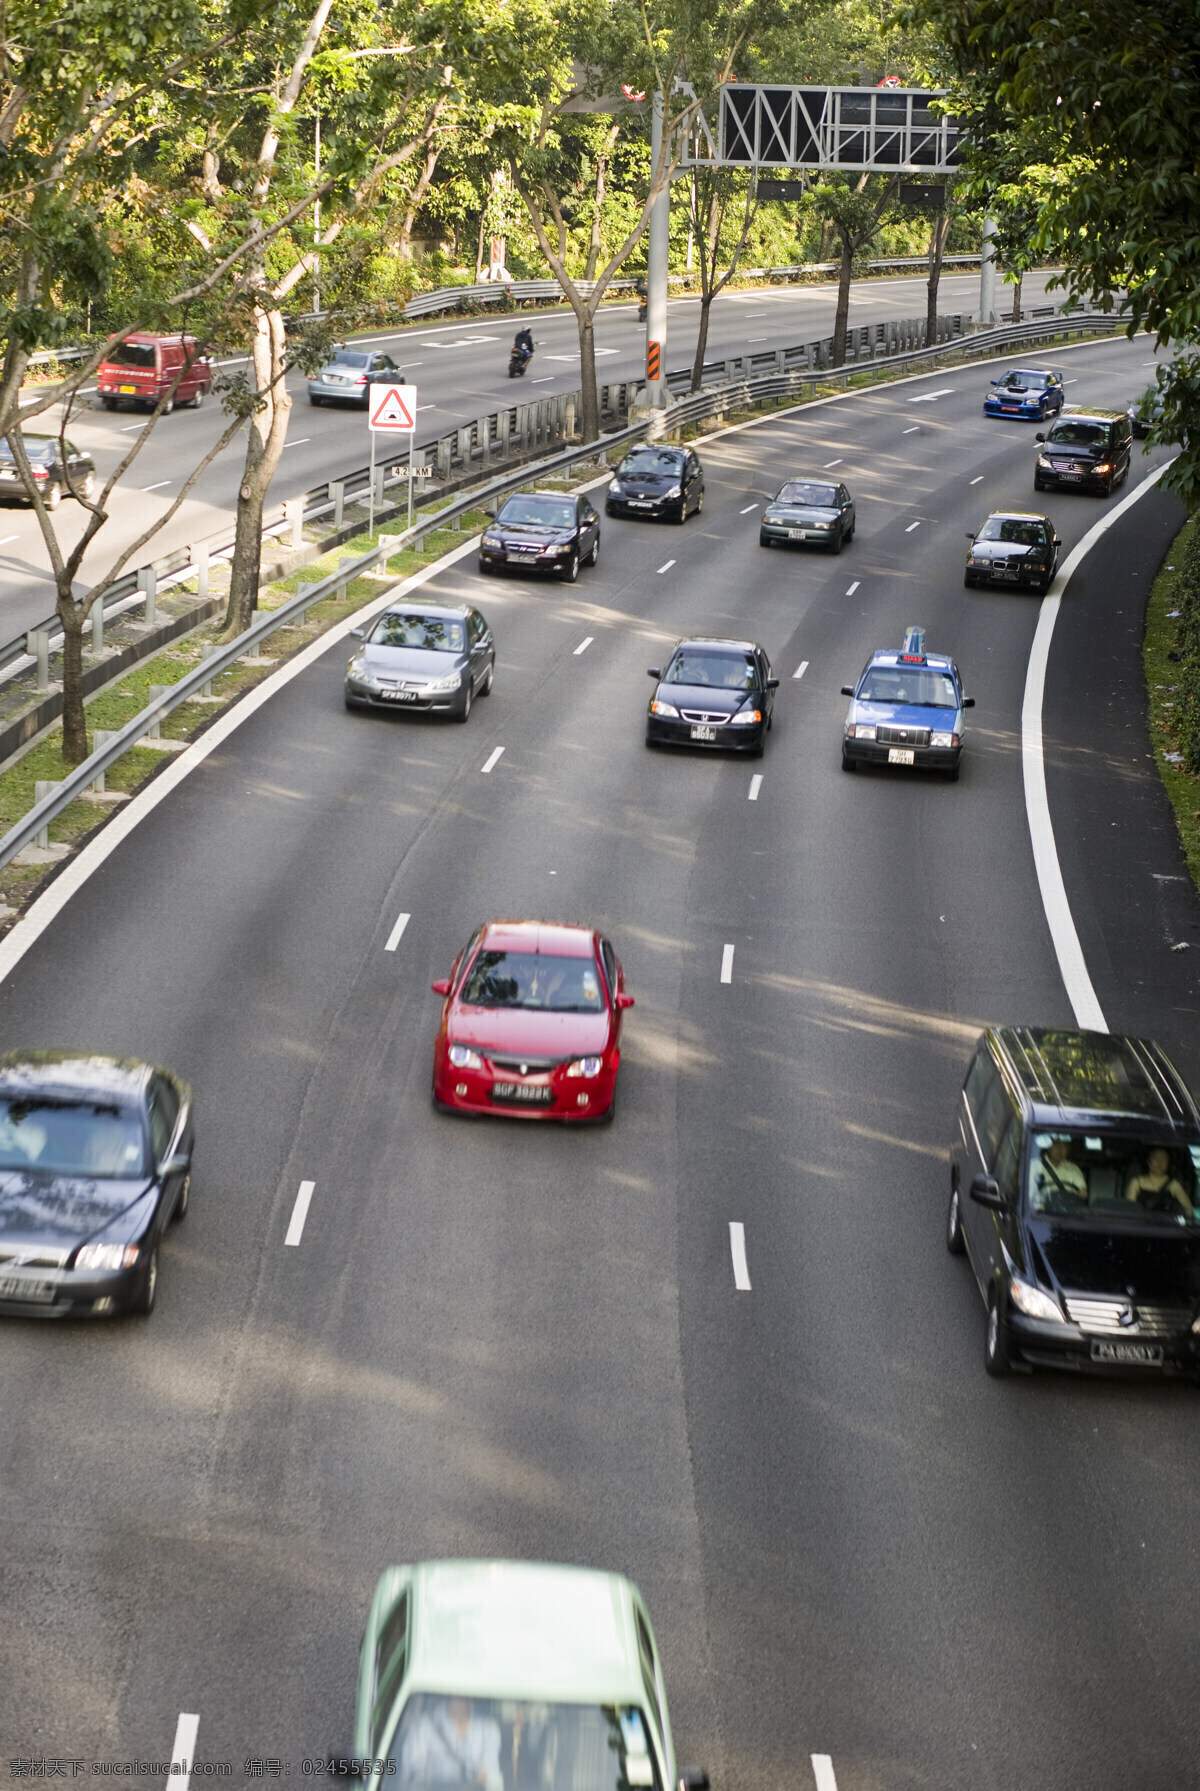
(523, 344)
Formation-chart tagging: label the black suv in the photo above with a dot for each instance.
(1088, 449)
(1073, 1189)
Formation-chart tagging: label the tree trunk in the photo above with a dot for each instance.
(841, 316)
(1016, 308)
(937, 243)
(706, 299)
(71, 618)
(589, 272)
(265, 438)
(589, 420)
(826, 240)
(479, 247)
(417, 198)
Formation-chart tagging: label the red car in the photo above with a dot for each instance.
(531, 1023)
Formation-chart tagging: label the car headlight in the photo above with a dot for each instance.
(614, 489)
(976, 559)
(657, 708)
(492, 542)
(745, 718)
(1033, 1302)
(357, 668)
(772, 516)
(943, 739)
(1105, 466)
(675, 491)
(1042, 461)
(824, 525)
(1196, 1327)
(106, 1256)
(585, 1066)
(863, 731)
(451, 681)
(463, 1058)
(558, 547)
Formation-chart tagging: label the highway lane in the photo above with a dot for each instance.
(502, 1338)
(460, 371)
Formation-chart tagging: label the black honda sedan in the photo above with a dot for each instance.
(1013, 548)
(95, 1160)
(654, 481)
(431, 657)
(541, 531)
(713, 692)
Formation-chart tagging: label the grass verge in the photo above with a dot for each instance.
(1162, 640)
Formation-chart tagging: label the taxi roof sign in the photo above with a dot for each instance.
(914, 639)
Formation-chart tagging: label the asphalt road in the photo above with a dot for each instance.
(498, 1338)
(460, 369)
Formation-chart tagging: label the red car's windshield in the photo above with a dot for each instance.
(533, 980)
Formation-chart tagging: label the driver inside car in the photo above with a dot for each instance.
(1059, 1184)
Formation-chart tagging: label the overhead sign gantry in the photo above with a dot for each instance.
(860, 130)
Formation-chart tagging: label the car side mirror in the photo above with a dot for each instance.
(1039, 437)
(968, 702)
(179, 1164)
(985, 1189)
(653, 671)
(442, 986)
(970, 534)
(994, 382)
(1058, 540)
(772, 683)
(358, 634)
(623, 1001)
(847, 690)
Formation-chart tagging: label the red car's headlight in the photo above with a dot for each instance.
(586, 1066)
(463, 1058)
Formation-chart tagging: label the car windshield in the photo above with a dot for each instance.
(507, 1744)
(799, 491)
(132, 354)
(1112, 1177)
(437, 634)
(547, 512)
(918, 686)
(1010, 528)
(1023, 382)
(344, 358)
(71, 1138)
(1079, 435)
(649, 461)
(38, 447)
(535, 980)
(721, 671)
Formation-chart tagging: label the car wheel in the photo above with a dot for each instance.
(996, 1357)
(848, 763)
(968, 582)
(86, 486)
(168, 407)
(952, 772)
(839, 543)
(184, 1201)
(756, 752)
(700, 501)
(594, 555)
(608, 510)
(680, 515)
(570, 571)
(314, 400)
(1043, 584)
(108, 403)
(1038, 484)
(853, 526)
(143, 1302)
(1107, 487)
(198, 400)
(489, 678)
(52, 496)
(464, 708)
(764, 540)
(955, 1242)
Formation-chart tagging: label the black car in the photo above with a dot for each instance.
(713, 692)
(1016, 548)
(1146, 411)
(653, 481)
(72, 475)
(95, 1160)
(1086, 450)
(430, 657)
(1073, 1188)
(542, 531)
(819, 512)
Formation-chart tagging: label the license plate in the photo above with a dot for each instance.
(523, 1094)
(1138, 1355)
(127, 388)
(525, 559)
(398, 696)
(797, 534)
(641, 503)
(12, 1287)
(1007, 577)
(901, 755)
(704, 733)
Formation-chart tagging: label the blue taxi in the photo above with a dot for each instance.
(1032, 393)
(906, 709)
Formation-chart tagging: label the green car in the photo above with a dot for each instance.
(511, 1674)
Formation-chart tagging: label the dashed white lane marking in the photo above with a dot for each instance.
(932, 397)
(727, 964)
(758, 338)
(7, 538)
(755, 786)
(184, 1750)
(978, 481)
(911, 430)
(159, 486)
(128, 428)
(427, 407)
(667, 567)
(545, 379)
(830, 463)
(800, 669)
(295, 1230)
(397, 932)
(584, 645)
(853, 587)
(744, 512)
(299, 442)
(822, 1765)
(492, 761)
(737, 1249)
(911, 527)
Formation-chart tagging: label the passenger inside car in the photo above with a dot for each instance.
(1156, 1188)
(1015, 529)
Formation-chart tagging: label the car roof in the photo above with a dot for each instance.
(456, 611)
(716, 640)
(1038, 370)
(71, 1073)
(144, 336)
(557, 939)
(1015, 516)
(1078, 412)
(521, 1629)
(1069, 1075)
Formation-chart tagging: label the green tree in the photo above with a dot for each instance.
(856, 210)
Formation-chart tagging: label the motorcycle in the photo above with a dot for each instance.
(518, 360)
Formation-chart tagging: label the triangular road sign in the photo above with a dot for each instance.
(393, 409)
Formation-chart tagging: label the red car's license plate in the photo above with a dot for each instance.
(523, 1094)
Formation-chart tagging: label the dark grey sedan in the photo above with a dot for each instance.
(57, 475)
(713, 693)
(809, 512)
(95, 1160)
(432, 658)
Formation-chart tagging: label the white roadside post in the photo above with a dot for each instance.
(392, 411)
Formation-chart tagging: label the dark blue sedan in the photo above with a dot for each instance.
(1032, 393)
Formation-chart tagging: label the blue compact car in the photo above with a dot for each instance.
(906, 709)
(1033, 393)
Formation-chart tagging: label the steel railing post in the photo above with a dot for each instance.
(101, 737)
(156, 690)
(337, 491)
(200, 561)
(41, 789)
(148, 585)
(98, 625)
(206, 652)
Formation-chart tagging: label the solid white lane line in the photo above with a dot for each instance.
(737, 1249)
(755, 786)
(800, 669)
(911, 430)
(727, 964)
(853, 588)
(492, 762)
(744, 512)
(911, 527)
(159, 486)
(397, 932)
(295, 1230)
(822, 1765)
(667, 567)
(584, 645)
(978, 481)
(830, 463)
(184, 1750)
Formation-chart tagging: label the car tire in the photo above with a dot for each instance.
(756, 752)
(489, 678)
(1038, 484)
(968, 582)
(594, 555)
(198, 400)
(143, 1301)
(700, 502)
(951, 773)
(1043, 584)
(996, 1357)
(314, 400)
(680, 516)
(839, 543)
(608, 510)
(462, 713)
(168, 407)
(184, 1201)
(764, 540)
(52, 496)
(848, 763)
(955, 1242)
(108, 403)
(570, 571)
(853, 526)
(352, 704)
(1107, 488)
(86, 486)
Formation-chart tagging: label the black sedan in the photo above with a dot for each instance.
(653, 481)
(432, 657)
(95, 1160)
(815, 512)
(1014, 548)
(56, 475)
(541, 531)
(713, 692)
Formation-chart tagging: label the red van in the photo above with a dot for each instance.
(143, 367)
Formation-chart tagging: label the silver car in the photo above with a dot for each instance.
(348, 377)
(431, 657)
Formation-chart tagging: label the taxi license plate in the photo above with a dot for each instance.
(523, 1094)
(127, 388)
(398, 696)
(704, 733)
(12, 1287)
(901, 755)
(1136, 1355)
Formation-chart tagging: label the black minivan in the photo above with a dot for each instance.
(1088, 450)
(1073, 1189)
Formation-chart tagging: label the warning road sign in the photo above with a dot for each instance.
(393, 410)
